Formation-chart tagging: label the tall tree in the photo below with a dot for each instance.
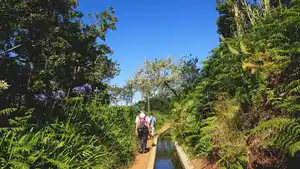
(188, 72)
(128, 93)
(161, 74)
(115, 94)
(225, 22)
(46, 47)
(143, 85)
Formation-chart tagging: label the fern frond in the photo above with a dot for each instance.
(233, 50)
(18, 165)
(243, 48)
(283, 133)
(7, 111)
(294, 148)
(293, 87)
(58, 164)
(275, 123)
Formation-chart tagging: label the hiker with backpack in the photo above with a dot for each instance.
(152, 122)
(142, 131)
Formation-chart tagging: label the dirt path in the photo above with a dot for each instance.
(141, 160)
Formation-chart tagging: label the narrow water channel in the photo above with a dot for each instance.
(166, 154)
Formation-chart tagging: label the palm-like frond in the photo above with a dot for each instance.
(283, 133)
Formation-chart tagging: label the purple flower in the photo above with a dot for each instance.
(88, 87)
(76, 90)
(82, 90)
(41, 97)
(59, 94)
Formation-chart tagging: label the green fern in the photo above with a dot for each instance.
(7, 111)
(284, 133)
(293, 87)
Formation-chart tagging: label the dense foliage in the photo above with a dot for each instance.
(45, 46)
(244, 111)
(162, 80)
(91, 137)
(158, 103)
(241, 110)
(54, 96)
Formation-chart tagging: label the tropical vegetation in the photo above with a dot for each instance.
(54, 97)
(244, 111)
(237, 109)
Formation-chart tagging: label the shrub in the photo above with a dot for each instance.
(91, 136)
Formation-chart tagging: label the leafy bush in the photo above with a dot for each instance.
(256, 66)
(219, 139)
(91, 137)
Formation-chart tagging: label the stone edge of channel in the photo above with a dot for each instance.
(151, 163)
(152, 155)
(183, 157)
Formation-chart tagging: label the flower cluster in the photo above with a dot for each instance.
(56, 96)
(59, 95)
(41, 97)
(84, 89)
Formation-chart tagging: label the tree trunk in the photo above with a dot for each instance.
(148, 97)
(173, 91)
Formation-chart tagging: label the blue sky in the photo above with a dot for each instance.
(157, 28)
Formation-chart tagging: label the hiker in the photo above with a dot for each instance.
(152, 122)
(142, 131)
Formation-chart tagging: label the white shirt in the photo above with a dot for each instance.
(137, 119)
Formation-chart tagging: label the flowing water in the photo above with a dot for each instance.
(166, 154)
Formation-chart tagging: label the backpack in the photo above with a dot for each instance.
(142, 128)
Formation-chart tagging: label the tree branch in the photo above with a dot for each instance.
(3, 52)
(174, 92)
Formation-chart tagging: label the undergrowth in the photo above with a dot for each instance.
(244, 111)
(92, 136)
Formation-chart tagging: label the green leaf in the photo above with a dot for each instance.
(232, 50)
